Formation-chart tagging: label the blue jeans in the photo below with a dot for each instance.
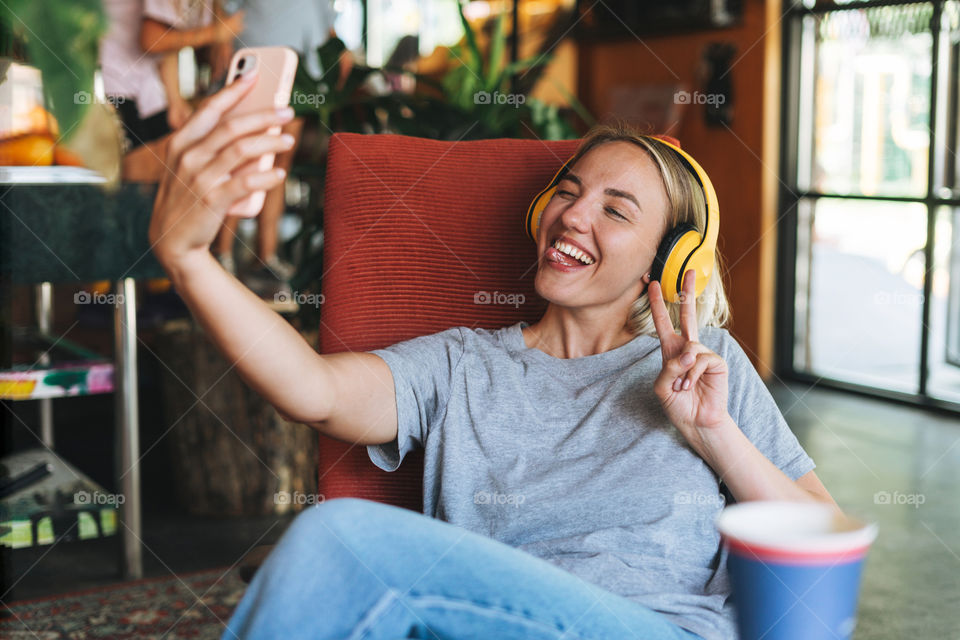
(352, 569)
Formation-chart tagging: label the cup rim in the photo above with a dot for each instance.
(790, 528)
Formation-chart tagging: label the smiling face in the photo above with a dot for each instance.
(599, 233)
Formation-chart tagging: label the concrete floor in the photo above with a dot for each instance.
(899, 467)
(862, 447)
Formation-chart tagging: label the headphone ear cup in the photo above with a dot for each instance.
(535, 210)
(674, 249)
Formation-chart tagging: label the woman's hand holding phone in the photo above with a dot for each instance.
(275, 68)
(201, 184)
(197, 190)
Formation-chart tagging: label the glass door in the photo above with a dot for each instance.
(869, 270)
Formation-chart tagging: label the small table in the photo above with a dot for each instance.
(59, 225)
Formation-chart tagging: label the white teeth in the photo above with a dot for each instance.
(572, 251)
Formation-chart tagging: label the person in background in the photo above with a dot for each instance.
(131, 79)
(302, 25)
(401, 64)
(171, 25)
(178, 109)
(139, 84)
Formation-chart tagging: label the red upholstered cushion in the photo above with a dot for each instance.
(415, 232)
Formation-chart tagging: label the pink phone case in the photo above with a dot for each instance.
(276, 67)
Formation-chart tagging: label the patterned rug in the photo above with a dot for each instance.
(195, 605)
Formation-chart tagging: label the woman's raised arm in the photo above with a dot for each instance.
(349, 396)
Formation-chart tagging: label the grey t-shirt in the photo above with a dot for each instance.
(574, 461)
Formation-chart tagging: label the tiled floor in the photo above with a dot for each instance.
(897, 466)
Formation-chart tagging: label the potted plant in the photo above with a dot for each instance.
(452, 107)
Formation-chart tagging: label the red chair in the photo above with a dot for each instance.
(417, 235)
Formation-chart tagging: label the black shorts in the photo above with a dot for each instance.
(139, 130)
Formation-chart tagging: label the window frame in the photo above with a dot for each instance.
(791, 196)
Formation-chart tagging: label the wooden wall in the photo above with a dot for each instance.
(741, 160)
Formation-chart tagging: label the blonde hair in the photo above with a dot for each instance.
(687, 205)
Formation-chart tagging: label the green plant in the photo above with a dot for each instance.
(61, 38)
(450, 109)
(480, 97)
(491, 92)
(343, 104)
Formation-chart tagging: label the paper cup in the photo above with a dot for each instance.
(795, 569)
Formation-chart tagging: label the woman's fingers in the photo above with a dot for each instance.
(239, 187)
(705, 362)
(673, 369)
(208, 115)
(237, 154)
(229, 132)
(232, 129)
(688, 306)
(685, 369)
(661, 317)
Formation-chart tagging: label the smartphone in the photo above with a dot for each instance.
(275, 67)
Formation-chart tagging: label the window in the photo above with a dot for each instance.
(434, 24)
(870, 209)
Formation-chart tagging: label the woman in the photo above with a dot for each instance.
(576, 468)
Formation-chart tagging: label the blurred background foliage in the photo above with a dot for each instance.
(61, 38)
(479, 95)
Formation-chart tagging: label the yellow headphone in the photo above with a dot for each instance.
(682, 248)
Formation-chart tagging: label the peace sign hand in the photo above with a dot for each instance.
(692, 385)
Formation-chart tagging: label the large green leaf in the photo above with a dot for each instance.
(494, 74)
(63, 42)
(575, 104)
(476, 60)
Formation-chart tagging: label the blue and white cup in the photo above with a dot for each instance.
(795, 569)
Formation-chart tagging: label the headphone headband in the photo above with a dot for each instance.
(712, 220)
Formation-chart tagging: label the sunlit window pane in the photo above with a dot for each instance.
(860, 291)
(433, 23)
(871, 94)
